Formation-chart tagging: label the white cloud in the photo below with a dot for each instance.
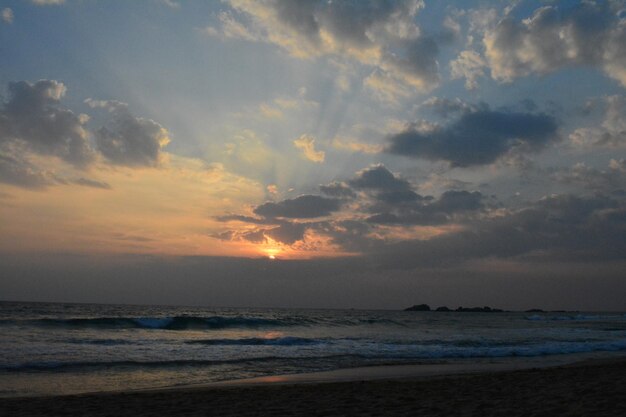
(230, 28)
(589, 34)
(48, 2)
(382, 35)
(7, 15)
(469, 65)
(171, 3)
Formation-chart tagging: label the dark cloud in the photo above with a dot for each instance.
(378, 197)
(257, 236)
(378, 177)
(477, 138)
(427, 210)
(337, 189)
(384, 187)
(299, 16)
(563, 228)
(246, 219)
(455, 201)
(129, 140)
(399, 196)
(418, 61)
(558, 228)
(17, 171)
(86, 182)
(34, 118)
(305, 206)
(288, 233)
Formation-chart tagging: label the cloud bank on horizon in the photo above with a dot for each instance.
(414, 134)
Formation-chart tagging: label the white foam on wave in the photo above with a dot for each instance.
(576, 317)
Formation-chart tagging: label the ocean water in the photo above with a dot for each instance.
(52, 348)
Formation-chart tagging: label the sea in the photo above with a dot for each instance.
(56, 348)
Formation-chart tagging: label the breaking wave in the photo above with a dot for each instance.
(193, 322)
(258, 341)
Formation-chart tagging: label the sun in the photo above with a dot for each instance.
(271, 253)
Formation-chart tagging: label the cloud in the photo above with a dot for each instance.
(247, 219)
(270, 112)
(607, 180)
(337, 189)
(553, 228)
(34, 118)
(469, 65)
(35, 130)
(129, 140)
(257, 236)
(16, 170)
(288, 233)
(86, 182)
(556, 228)
(392, 200)
(427, 210)
(304, 206)
(382, 35)
(587, 34)
(385, 220)
(417, 65)
(171, 4)
(611, 132)
(231, 29)
(446, 108)
(356, 146)
(307, 144)
(435, 181)
(476, 138)
(386, 88)
(272, 189)
(378, 177)
(375, 197)
(48, 2)
(7, 15)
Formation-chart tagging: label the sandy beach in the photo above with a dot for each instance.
(592, 388)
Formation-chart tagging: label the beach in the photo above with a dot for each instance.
(590, 388)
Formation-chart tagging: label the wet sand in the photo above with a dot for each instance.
(593, 388)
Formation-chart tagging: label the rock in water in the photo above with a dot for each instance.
(418, 307)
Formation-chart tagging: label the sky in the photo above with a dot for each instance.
(366, 154)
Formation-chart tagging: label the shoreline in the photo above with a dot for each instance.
(412, 371)
(376, 372)
(409, 371)
(587, 387)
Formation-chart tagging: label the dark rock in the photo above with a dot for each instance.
(484, 309)
(418, 307)
(443, 308)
